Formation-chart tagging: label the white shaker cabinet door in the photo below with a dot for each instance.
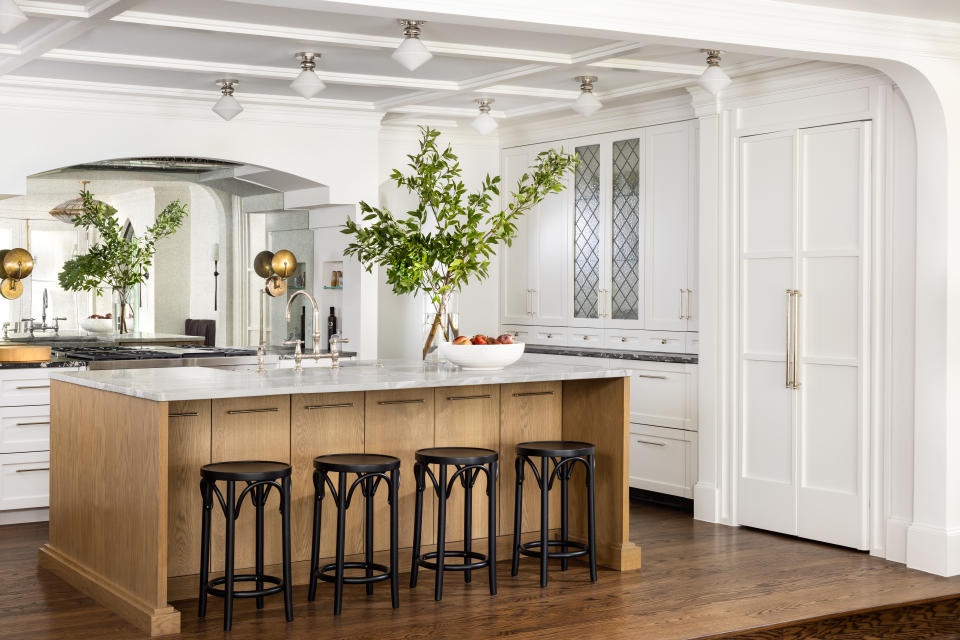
(832, 316)
(516, 288)
(767, 237)
(550, 248)
(669, 171)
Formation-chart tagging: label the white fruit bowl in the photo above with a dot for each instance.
(481, 357)
(97, 325)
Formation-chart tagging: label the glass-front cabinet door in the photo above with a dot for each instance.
(625, 272)
(589, 232)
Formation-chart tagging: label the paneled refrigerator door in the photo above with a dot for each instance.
(626, 197)
(590, 300)
(768, 224)
(516, 289)
(668, 201)
(832, 312)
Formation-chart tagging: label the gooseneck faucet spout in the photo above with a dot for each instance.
(316, 318)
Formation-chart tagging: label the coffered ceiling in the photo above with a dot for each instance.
(180, 47)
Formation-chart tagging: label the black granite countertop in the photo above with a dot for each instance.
(617, 354)
(53, 363)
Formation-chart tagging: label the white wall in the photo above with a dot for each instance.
(401, 317)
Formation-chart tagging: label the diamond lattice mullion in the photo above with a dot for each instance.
(625, 261)
(586, 265)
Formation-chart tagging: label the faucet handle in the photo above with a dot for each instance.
(298, 343)
(336, 339)
(297, 354)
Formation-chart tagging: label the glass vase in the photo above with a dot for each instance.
(123, 318)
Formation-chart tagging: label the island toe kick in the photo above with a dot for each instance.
(125, 506)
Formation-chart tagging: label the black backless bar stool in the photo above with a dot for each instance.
(260, 477)
(371, 470)
(470, 462)
(563, 455)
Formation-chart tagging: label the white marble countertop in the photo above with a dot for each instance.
(199, 383)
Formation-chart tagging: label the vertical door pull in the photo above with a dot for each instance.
(796, 337)
(789, 347)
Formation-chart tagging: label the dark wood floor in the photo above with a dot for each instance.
(697, 580)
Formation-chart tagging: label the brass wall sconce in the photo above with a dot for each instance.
(17, 264)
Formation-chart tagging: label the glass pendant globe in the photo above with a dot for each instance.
(713, 79)
(308, 84)
(227, 107)
(484, 123)
(411, 53)
(11, 16)
(586, 103)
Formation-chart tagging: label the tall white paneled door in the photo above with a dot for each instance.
(804, 214)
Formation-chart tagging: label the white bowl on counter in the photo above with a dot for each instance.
(97, 325)
(481, 357)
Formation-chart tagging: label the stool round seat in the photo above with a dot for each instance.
(456, 455)
(555, 448)
(245, 470)
(356, 463)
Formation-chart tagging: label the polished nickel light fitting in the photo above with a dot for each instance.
(586, 103)
(713, 78)
(227, 107)
(308, 83)
(411, 52)
(484, 123)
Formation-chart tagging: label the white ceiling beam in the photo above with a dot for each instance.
(63, 31)
(242, 70)
(538, 92)
(338, 37)
(656, 66)
(56, 9)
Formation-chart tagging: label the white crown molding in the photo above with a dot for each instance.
(242, 70)
(59, 9)
(656, 66)
(339, 38)
(22, 92)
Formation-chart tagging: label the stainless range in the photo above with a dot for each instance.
(148, 357)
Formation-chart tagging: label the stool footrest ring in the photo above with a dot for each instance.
(323, 573)
(532, 549)
(212, 586)
(484, 562)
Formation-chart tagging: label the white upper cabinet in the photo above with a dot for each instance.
(616, 250)
(669, 205)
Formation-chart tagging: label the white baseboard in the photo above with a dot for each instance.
(933, 549)
(895, 540)
(19, 516)
(706, 502)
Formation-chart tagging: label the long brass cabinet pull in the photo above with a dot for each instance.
(234, 412)
(31, 424)
(525, 394)
(33, 386)
(789, 347)
(656, 444)
(796, 339)
(682, 316)
(338, 405)
(414, 401)
(793, 332)
(652, 377)
(35, 469)
(183, 414)
(479, 397)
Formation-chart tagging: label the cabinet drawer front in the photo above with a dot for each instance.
(24, 480)
(24, 429)
(660, 464)
(548, 335)
(26, 387)
(659, 396)
(520, 333)
(665, 341)
(693, 343)
(586, 337)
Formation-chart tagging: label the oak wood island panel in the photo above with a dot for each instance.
(126, 448)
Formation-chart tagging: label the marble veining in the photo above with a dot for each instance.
(618, 354)
(198, 383)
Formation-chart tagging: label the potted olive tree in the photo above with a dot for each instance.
(115, 261)
(449, 239)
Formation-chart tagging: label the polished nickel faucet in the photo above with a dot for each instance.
(335, 341)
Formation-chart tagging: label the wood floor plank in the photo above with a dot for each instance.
(698, 580)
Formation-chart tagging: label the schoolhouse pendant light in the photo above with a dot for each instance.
(308, 83)
(11, 16)
(586, 103)
(227, 106)
(412, 52)
(484, 123)
(713, 78)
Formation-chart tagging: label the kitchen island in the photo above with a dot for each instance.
(127, 446)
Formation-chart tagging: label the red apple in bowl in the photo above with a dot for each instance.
(461, 340)
(506, 338)
(479, 339)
